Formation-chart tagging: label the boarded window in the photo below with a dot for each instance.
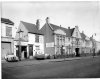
(8, 31)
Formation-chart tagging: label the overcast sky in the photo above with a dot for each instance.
(85, 14)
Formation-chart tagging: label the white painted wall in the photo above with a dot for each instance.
(3, 29)
(75, 33)
(24, 34)
(31, 38)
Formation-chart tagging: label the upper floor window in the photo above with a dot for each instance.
(8, 31)
(57, 40)
(64, 39)
(36, 38)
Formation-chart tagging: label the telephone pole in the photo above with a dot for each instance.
(19, 53)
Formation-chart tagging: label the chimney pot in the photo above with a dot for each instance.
(68, 27)
(76, 26)
(47, 20)
(82, 31)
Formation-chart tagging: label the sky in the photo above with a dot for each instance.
(84, 14)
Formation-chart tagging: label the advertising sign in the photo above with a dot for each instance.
(51, 44)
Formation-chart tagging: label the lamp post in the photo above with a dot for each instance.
(20, 31)
(93, 45)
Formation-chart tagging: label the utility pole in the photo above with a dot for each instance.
(19, 55)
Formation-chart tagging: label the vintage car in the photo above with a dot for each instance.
(11, 57)
(41, 55)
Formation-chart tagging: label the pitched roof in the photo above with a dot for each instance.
(6, 21)
(31, 28)
(54, 27)
(84, 37)
(67, 31)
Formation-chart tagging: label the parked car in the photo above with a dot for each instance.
(41, 55)
(11, 57)
(47, 56)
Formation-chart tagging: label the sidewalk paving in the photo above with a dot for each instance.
(30, 62)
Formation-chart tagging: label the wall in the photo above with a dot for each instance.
(7, 38)
(31, 38)
(76, 33)
(24, 34)
(97, 46)
(48, 38)
(59, 33)
(3, 29)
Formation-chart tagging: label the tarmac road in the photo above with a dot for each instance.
(83, 68)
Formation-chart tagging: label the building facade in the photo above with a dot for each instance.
(59, 40)
(86, 44)
(7, 39)
(31, 40)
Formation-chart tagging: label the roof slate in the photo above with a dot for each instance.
(6, 21)
(31, 28)
(68, 32)
(53, 27)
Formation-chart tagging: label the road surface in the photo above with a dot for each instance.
(82, 68)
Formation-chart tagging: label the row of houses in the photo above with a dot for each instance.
(50, 39)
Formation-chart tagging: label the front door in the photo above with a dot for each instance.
(30, 50)
(77, 52)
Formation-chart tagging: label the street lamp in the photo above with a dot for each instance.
(93, 44)
(20, 31)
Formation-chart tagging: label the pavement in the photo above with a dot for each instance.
(30, 62)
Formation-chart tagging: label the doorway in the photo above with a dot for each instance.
(23, 51)
(77, 52)
(30, 50)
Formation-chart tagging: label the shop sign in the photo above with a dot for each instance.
(50, 44)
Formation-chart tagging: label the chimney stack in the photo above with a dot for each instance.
(47, 20)
(68, 27)
(83, 32)
(38, 24)
(76, 27)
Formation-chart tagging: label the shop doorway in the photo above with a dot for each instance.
(77, 52)
(23, 51)
(30, 50)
